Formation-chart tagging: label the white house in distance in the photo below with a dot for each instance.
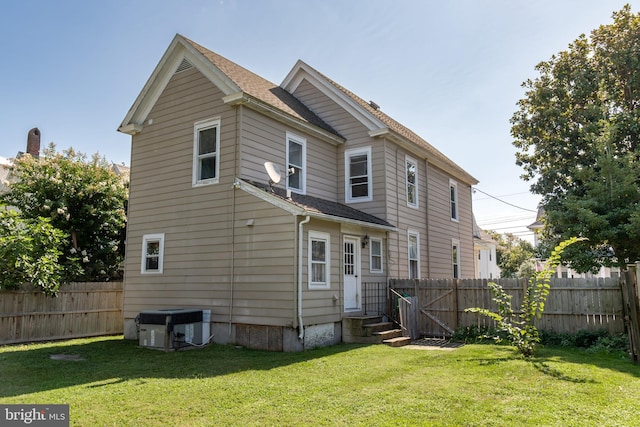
(484, 249)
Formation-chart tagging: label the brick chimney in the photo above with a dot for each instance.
(33, 142)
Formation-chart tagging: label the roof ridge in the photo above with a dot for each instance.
(260, 88)
(393, 124)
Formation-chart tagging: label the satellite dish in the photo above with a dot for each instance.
(274, 173)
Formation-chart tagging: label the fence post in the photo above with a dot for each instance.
(630, 310)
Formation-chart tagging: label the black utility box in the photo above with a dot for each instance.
(178, 316)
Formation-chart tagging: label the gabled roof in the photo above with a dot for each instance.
(238, 84)
(316, 207)
(378, 122)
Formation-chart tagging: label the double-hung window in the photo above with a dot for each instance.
(296, 163)
(414, 255)
(453, 197)
(206, 152)
(152, 254)
(358, 182)
(375, 254)
(411, 167)
(319, 260)
(455, 258)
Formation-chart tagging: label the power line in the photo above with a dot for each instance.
(500, 200)
(505, 195)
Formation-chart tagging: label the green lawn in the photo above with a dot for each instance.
(118, 384)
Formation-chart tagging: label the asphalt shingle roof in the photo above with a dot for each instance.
(322, 206)
(262, 89)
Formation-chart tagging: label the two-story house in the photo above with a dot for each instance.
(362, 198)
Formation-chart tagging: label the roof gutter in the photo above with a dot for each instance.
(296, 210)
(434, 156)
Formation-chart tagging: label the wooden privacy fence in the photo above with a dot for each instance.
(79, 310)
(572, 305)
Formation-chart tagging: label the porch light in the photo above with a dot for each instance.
(365, 241)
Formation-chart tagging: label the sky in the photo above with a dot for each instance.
(451, 71)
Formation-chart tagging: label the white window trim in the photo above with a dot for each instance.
(455, 243)
(197, 127)
(417, 235)
(371, 269)
(303, 179)
(455, 215)
(316, 235)
(143, 264)
(347, 177)
(413, 162)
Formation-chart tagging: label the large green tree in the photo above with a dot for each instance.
(511, 253)
(577, 131)
(82, 198)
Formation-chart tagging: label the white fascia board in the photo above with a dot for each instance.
(436, 160)
(267, 197)
(178, 50)
(131, 129)
(302, 71)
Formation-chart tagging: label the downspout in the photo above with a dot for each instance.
(300, 240)
(236, 168)
(427, 207)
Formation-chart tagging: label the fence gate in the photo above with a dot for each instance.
(440, 310)
(437, 304)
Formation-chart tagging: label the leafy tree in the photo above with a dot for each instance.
(577, 131)
(518, 326)
(511, 253)
(84, 199)
(30, 252)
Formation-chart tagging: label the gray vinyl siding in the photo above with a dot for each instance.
(264, 140)
(318, 305)
(442, 229)
(197, 221)
(357, 137)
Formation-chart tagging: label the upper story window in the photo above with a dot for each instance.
(414, 255)
(358, 178)
(319, 265)
(455, 258)
(206, 152)
(375, 254)
(453, 192)
(412, 182)
(296, 163)
(152, 254)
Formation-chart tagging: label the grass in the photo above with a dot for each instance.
(118, 384)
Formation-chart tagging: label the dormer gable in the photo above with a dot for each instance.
(372, 118)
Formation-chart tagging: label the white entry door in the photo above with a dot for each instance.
(351, 269)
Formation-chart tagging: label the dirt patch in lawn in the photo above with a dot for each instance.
(433, 344)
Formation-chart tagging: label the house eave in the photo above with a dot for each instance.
(301, 71)
(243, 98)
(433, 158)
(298, 211)
(178, 50)
(131, 128)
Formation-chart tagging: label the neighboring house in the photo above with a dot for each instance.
(362, 199)
(484, 249)
(122, 171)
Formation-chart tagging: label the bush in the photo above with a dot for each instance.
(592, 341)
